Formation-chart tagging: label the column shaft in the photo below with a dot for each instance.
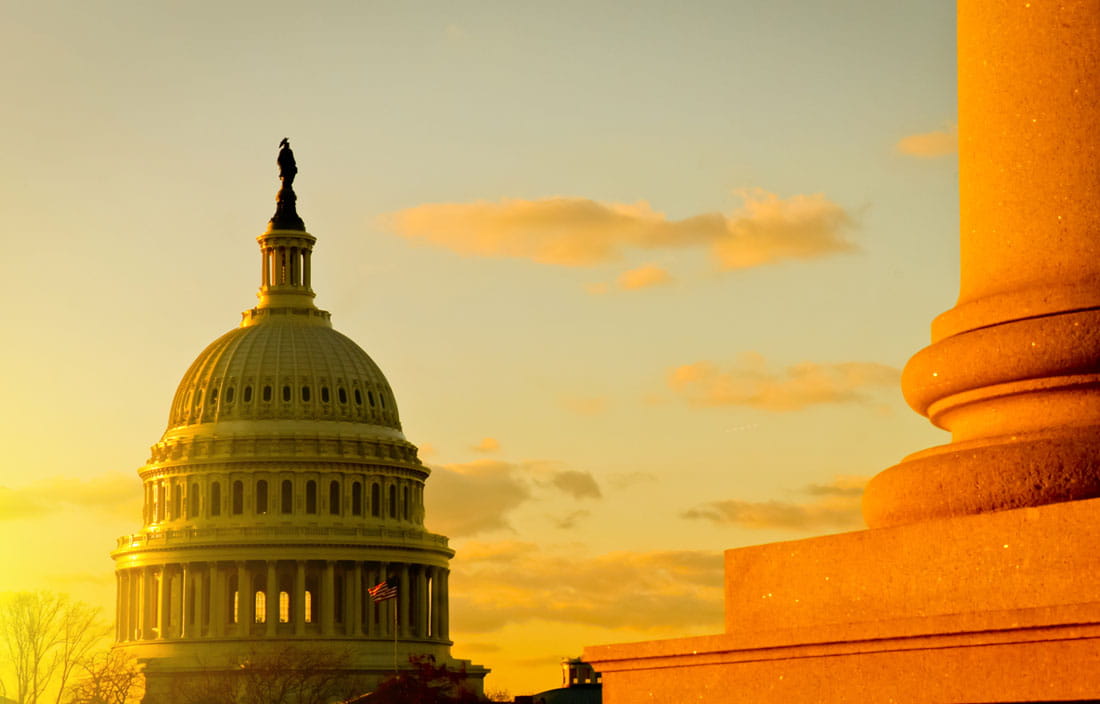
(298, 601)
(272, 598)
(328, 597)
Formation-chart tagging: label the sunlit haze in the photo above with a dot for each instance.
(642, 278)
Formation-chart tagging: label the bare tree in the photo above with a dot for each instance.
(46, 635)
(290, 675)
(80, 630)
(112, 677)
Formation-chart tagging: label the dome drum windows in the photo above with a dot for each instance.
(357, 499)
(311, 497)
(261, 497)
(247, 397)
(287, 497)
(334, 498)
(267, 393)
(238, 497)
(286, 393)
(305, 394)
(324, 394)
(376, 500)
(216, 499)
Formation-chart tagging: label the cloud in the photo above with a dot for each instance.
(929, 145)
(480, 496)
(645, 276)
(579, 485)
(116, 493)
(494, 584)
(487, 445)
(570, 231)
(835, 505)
(750, 383)
(585, 405)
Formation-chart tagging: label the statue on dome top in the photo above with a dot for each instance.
(288, 168)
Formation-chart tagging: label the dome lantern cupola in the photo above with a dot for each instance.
(285, 254)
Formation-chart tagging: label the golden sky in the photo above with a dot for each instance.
(642, 277)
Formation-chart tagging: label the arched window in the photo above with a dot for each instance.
(216, 499)
(393, 502)
(311, 496)
(382, 399)
(248, 394)
(177, 501)
(370, 397)
(309, 607)
(229, 395)
(305, 394)
(284, 607)
(405, 503)
(357, 499)
(238, 498)
(334, 498)
(324, 394)
(358, 398)
(260, 612)
(160, 502)
(287, 498)
(342, 394)
(286, 392)
(193, 501)
(261, 497)
(375, 500)
(267, 393)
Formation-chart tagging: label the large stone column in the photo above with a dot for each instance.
(271, 599)
(328, 598)
(1014, 368)
(298, 601)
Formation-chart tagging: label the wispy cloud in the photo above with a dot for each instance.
(929, 145)
(645, 276)
(749, 382)
(495, 584)
(479, 497)
(116, 493)
(487, 445)
(571, 231)
(834, 505)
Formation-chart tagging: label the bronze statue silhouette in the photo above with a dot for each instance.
(288, 168)
(286, 216)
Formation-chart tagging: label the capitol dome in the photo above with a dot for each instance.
(284, 367)
(280, 501)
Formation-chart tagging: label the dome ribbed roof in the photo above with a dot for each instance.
(284, 366)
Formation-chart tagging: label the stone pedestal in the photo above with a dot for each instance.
(979, 579)
(1003, 607)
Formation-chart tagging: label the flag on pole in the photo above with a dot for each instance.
(383, 591)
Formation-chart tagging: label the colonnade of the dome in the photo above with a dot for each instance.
(280, 598)
(270, 497)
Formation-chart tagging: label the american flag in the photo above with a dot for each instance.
(383, 591)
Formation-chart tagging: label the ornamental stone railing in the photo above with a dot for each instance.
(220, 534)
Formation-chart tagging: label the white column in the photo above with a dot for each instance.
(201, 584)
(272, 597)
(405, 603)
(185, 592)
(245, 599)
(328, 595)
(298, 601)
(164, 597)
